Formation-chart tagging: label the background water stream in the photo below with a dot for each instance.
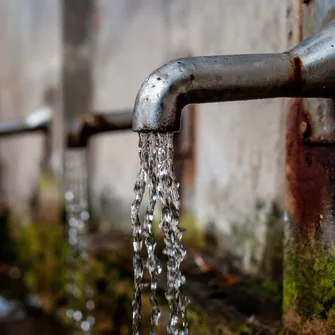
(81, 301)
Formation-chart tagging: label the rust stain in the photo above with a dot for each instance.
(310, 172)
(297, 70)
(92, 124)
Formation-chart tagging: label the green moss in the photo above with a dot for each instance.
(309, 281)
(48, 180)
(42, 253)
(202, 324)
(244, 330)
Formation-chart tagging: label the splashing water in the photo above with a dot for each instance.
(76, 205)
(156, 157)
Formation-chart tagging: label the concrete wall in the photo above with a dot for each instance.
(29, 61)
(240, 146)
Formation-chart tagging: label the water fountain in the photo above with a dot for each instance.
(76, 197)
(305, 71)
(76, 201)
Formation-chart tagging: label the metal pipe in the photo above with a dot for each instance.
(86, 127)
(80, 131)
(37, 121)
(305, 71)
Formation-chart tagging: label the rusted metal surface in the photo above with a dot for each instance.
(310, 173)
(320, 128)
(310, 141)
(297, 70)
(309, 271)
(315, 15)
(97, 123)
(310, 199)
(322, 121)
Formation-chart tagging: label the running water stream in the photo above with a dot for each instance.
(156, 172)
(76, 205)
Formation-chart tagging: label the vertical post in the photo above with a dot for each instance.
(309, 267)
(77, 60)
(77, 73)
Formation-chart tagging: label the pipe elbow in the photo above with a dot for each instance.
(161, 98)
(306, 71)
(184, 81)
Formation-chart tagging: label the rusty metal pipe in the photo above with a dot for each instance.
(82, 129)
(305, 71)
(96, 123)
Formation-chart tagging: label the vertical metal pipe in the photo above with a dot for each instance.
(77, 77)
(77, 72)
(309, 267)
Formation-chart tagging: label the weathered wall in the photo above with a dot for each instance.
(239, 145)
(29, 61)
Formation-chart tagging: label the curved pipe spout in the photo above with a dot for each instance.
(306, 71)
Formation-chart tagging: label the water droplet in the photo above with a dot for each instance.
(85, 215)
(69, 313)
(91, 320)
(69, 196)
(77, 315)
(85, 326)
(90, 305)
(76, 203)
(285, 217)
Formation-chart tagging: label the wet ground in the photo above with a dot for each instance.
(33, 324)
(221, 296)
(20, 315)
(220, 292)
